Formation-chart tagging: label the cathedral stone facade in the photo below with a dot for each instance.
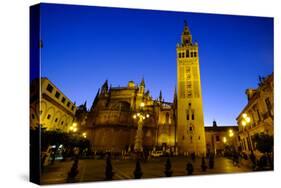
(113, 127)
(177, 126)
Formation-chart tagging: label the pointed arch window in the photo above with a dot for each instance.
(167, 118)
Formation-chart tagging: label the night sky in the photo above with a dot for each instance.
(83, 46)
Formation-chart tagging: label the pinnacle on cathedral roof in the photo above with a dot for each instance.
(142, 82)
(160, 95)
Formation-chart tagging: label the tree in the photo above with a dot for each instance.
(264, 143)
(137, 171)
(168, 168)
(189, 168)
(211, 160)
(108, 169)
(73, 171)
(203, 164)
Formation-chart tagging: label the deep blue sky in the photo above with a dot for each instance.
(84, 46)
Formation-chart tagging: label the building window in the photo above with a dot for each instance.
(63, 99)
(49, 116)
(56, 119)
(190, 128)
(187, 116)
(198, 137)
(253, 118)
(195, 54)
(179, 55)
(189, 104)
(68, 104)
(253, 145)
(192, 116)
(249, 143)
(61, 123)
(217, 138)
(268, 105)
(50, 88)
(57, 95)
(187, 53)
(72, 108)
(191, 54)
(182, 54)
(189, 94)
(259, 116)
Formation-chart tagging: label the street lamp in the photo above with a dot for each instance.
(142, 105)
(140, 116)
(224, 139)
(246, 121)
(73, 128)
(231, 142)
(84, 135)
(230, 133)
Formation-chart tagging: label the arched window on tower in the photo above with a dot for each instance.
(187, 53)
(192, 116)
(195, 54)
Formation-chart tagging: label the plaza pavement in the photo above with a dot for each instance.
(94, 169)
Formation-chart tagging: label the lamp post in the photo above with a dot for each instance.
(246, 121)
(140, 117)
(230, 135)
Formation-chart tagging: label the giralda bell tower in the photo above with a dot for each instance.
(190, 118)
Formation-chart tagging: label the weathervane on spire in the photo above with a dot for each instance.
(185, 23)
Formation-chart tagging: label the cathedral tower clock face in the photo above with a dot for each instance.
(190, 118)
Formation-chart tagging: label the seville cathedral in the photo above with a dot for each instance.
(177, 126)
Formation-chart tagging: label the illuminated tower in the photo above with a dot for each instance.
(190, 118)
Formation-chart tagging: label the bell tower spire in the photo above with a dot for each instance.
(186, 37)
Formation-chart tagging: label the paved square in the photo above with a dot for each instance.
(94, 170)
